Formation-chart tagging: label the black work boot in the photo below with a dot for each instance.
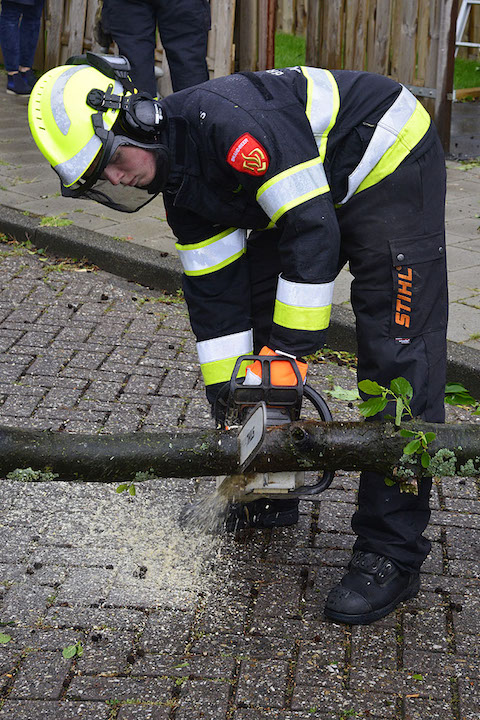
(262, 513)
(371, 589)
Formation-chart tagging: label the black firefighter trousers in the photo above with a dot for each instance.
(183, 26)
(393, 237)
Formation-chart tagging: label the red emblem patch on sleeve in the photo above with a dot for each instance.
(248, 155)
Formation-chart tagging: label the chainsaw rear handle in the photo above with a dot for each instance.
(327, 476)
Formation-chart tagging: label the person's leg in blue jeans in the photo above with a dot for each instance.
(19, 28)
(29, 30)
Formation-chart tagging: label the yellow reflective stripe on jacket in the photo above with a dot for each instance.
(218, 356)
(397, 132)
(292, 187)
(214, 253)
(300, 318)
(303, 306)
(221, 370)
(323, 104)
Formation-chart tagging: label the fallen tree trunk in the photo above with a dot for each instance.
(303, 445)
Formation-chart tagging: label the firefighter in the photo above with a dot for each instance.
(327, 167)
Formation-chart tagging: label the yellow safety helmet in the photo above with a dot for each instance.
(81, 112)
(61, 120)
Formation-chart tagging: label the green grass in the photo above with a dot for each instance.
(467, 73)
(289, 50)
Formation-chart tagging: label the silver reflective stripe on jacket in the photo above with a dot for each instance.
(303, 306)
(323, 104)
(304, 294)
(227, 346)
(292, 187)
(214, 253)
(384, 136)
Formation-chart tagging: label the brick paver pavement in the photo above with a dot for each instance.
(172, 623)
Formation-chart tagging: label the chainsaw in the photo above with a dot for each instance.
(253, 408)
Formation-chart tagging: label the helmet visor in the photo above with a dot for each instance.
(94, 186)
(122, 198)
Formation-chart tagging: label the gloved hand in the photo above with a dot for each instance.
(281, 371)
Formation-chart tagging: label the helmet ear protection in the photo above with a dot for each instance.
(141, 115)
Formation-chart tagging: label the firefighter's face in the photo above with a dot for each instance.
(131, 166)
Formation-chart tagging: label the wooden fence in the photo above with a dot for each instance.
(412, 42)
(239, 26)
(292, 16)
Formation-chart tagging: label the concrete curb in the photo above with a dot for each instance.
(161, 271)
(153, 269)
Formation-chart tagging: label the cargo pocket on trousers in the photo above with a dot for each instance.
(419, 274)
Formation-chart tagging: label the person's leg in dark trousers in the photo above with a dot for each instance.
(132, 25)
(393, 237)
(184, 26)
(264, 268)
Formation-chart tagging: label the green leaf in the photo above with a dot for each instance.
(407, 433)
(429, 436)
(460, 399)
(411, 447)
(388, 481)
(401, 386)
(425, 459)
(79, 649)
(122, 487)
(371, 387)
(455, 388)
(69, 652)
(5, 638)
(342, 394)
(372, 406)
(132, 490)
(417, 676)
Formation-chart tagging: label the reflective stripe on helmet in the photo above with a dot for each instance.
(57, 102)
(397, 132)
(214, 253)
(292, 187)
(303, 306)
(73, 168)
(323, 104)
(218, 356)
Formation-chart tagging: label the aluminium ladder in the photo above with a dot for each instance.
(462, 19)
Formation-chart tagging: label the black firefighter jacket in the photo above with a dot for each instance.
(281, 148)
